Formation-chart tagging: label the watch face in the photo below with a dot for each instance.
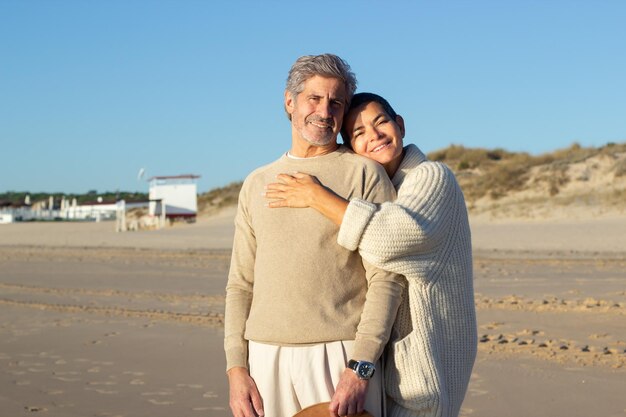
(365, 370)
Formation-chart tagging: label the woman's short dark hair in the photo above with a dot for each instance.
(359, 100)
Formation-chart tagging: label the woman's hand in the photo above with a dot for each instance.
(295, 190)
(302, 190)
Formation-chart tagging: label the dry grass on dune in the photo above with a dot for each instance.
(514, 184)
(573, 182)
(496, 173)
(218, 198)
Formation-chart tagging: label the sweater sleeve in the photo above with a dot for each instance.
(239, 287)
(384, 291)
(383, 298)
(415, 223)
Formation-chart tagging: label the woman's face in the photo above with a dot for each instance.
(375, 135)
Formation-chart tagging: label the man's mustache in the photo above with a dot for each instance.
(327, 121)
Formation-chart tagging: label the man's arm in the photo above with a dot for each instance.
(245, 400)
(383, 297)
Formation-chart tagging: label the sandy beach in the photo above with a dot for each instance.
(98, 323)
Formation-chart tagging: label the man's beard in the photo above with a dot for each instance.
(322, 138)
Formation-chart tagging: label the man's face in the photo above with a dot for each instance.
(317, 111)
(374, 134)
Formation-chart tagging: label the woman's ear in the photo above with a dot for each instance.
(400, 123)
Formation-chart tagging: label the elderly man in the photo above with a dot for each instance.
(307, 320)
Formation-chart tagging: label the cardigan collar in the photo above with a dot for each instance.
(412, 158)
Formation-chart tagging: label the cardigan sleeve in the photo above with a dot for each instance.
(415, 223)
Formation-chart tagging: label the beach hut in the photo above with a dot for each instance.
(174, 197)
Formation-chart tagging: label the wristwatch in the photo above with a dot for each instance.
(362, 369)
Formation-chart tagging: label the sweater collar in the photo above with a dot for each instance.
(412, 158)
(285, 158)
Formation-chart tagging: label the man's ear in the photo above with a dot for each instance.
(400, 123)
(289, 104)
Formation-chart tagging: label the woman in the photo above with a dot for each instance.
(424, 235)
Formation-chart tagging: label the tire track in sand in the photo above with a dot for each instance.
(211, 319)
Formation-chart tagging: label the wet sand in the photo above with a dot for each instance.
(94, 323)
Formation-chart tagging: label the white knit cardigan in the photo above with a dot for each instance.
(424, 235)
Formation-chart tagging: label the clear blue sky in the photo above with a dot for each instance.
(92, 91)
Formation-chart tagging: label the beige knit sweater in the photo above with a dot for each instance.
(290, 283)
(424, 235)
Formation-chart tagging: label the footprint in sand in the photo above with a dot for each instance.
(53, 392)
(66, 379)
(53, 356)
(493, 325)
(106, 392)
(102, 391)
(17, 373)
(158, 393)
(107, 383)
(63, 373)
(157, 402)
(193, 386)
(34, 409)
(24, 364)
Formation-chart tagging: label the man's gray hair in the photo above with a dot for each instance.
(325, 65)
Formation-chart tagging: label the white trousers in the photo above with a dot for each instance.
(291, 378)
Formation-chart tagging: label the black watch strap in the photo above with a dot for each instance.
(362, 369)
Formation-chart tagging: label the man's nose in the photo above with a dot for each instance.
(325, 110)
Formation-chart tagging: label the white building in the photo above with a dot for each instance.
(97, 210)
(174, 196)
(6, 218)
